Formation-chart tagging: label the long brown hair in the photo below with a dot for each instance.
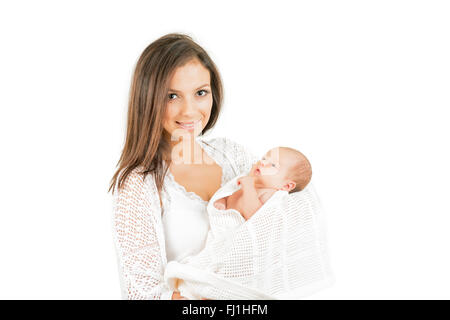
(145, 144)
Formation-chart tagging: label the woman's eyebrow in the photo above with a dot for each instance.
(204, 85)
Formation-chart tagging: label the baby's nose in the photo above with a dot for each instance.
(263, 163)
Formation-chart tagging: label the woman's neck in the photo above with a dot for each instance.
(186, 151)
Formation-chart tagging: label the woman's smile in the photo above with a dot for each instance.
(188, 125)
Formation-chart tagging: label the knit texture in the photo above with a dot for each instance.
(279, 253)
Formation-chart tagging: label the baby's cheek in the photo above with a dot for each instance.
(271, 171)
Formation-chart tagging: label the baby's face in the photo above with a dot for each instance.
(273, 169)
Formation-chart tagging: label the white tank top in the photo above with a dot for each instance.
(185, 221)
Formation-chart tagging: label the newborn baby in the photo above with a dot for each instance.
(258, 259)
(281, 168)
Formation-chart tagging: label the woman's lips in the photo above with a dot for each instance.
(187, 125)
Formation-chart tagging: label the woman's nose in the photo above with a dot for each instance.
(188, 107)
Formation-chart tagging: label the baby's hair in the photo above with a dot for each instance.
(300, 171)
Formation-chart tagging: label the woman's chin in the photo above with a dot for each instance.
(179, 134)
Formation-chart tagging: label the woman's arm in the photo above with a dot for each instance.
(137, 240)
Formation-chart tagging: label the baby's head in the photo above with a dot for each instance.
(283, 168)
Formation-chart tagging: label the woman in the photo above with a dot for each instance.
(168, 170)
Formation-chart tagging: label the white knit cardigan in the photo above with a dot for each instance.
(243, 256)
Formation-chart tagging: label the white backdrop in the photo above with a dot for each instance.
(360, 87)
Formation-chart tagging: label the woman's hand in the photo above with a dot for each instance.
(177, 296)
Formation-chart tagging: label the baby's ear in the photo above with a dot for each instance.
(290, 185)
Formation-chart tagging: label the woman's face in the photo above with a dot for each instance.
(190, 101)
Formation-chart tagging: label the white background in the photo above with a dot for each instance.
(360, 87)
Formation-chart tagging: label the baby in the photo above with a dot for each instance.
(281, 168)
(217, 270)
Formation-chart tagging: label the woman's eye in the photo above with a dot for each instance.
(204, 92)
(170, 95)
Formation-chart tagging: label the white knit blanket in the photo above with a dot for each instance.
(279, 253)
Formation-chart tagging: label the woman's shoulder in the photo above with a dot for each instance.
(135, 176)
(135, 180)
(138, 187)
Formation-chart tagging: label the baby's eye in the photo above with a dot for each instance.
(273, 165)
